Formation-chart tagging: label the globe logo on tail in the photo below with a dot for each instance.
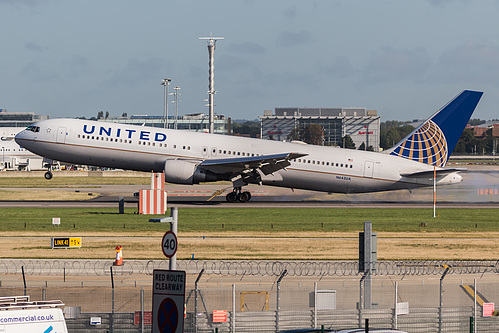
(426, 145)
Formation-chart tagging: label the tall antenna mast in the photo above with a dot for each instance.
(211, 86)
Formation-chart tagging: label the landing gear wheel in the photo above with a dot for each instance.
(244, 196)
(231, 197)
(48, 175)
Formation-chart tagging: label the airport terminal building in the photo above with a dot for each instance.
(18, 119)
(198, 122)
(362, 125)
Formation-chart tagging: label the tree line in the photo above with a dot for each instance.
(391, 132)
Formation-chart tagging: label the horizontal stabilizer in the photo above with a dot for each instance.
(429, 173)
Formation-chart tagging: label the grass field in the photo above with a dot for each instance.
(251, 220)
(254, 233)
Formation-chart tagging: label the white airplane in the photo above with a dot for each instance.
(191, 158)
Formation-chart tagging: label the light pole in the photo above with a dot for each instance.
(211, 86)
(176, 101)
(165, 83)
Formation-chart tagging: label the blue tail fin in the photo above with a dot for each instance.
(434, 140)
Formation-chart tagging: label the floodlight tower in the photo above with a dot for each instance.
(165, 83)
(176, 101)
(211, 91)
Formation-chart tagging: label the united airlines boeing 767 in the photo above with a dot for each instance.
(191, 158)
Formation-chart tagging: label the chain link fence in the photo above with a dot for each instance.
(311, 294)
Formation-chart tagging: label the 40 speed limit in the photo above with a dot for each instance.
(169, 244)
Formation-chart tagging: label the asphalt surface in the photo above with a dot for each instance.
(480, 188)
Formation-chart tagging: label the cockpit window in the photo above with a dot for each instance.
(33, 128)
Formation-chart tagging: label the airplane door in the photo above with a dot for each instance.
(61, 135)
(368, 169)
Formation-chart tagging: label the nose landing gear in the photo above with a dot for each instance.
(48, 175)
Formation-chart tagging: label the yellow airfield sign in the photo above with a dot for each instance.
(65, 242)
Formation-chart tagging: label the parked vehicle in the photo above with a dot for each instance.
(19, 315)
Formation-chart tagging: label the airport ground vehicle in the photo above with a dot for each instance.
(19, 315)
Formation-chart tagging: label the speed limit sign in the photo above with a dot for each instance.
(169, 244)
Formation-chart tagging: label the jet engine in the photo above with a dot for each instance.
(185, 172)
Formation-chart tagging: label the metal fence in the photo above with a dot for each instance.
(254, 301)
(245, 267)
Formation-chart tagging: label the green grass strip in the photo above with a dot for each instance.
(252, 220)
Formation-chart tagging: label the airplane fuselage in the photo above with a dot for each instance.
(327, 169)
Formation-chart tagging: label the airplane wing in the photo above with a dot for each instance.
(429, 173)
(267, 164)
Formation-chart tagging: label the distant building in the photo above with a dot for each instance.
(19, 119)
(198, 122)
(480, 131)
(360, 124)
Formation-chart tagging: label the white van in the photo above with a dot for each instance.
(19, 315)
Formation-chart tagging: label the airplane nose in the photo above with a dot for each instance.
(19, 136)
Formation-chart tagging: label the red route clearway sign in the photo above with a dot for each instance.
(168, 301)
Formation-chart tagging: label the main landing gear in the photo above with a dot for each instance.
(238, 195)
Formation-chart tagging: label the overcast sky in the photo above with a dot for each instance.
(406, 59)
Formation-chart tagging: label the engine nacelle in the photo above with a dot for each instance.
(185, 172)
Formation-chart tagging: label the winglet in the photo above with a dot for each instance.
(434, 140)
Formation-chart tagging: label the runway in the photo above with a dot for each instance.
(480, 188)
(255, 204)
